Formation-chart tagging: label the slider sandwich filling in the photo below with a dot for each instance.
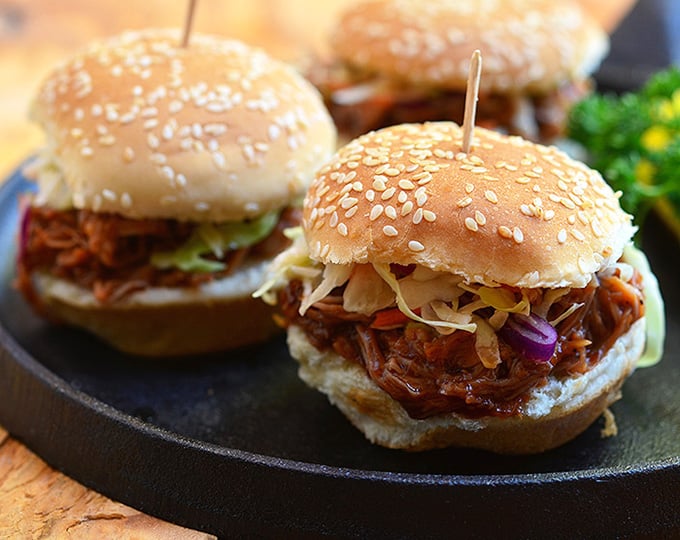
(114, 256)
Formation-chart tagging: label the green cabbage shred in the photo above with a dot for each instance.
(215, 239)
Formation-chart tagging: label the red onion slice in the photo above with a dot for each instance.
(531, 336)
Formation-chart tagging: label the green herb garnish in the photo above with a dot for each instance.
(634, 141)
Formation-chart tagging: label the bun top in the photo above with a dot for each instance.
(527, 45)
(216, 131)
(508, 212)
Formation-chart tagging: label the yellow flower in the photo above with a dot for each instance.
(644, 171)
(670, 108)
(656, 138)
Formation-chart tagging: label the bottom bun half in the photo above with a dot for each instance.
(553, 415)
(219, 315)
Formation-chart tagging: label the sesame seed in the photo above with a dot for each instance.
(562, 236)
(376, 212)
(86, 151)
(127, 118)
(388, 230)
(334, 220)
(128, 154)
(387, 194)
(595, 226)
(576, 200)
(526, 210)
(168, 172)
(351, 211)
(414, 245)
(548, 215)
(471, 224)
(406, 184)
(151, 123)
(491, 196)
(342, 229)
(126, 200)
(469, 188)
(578, 234)
(390, 212)
(465, 201)
(517, 235)
(109, 195)
(480, 218)
(422, 176)
(430, 216)
(153, 141)
(379, 183)
(504, 232)
(219, 160)
(406, 209)
(107, 140)
(417, 216)
(402, 197)
(567, 203)
(349, 202)
(370, 195)
(158, 159)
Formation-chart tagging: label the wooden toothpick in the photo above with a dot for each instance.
(471, 96)
(188, 20)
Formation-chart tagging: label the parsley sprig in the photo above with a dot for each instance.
(634, 141)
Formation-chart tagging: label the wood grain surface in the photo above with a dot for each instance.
(35, 500)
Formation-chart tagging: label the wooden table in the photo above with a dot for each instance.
(35, 500)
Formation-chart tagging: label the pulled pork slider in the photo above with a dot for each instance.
(167, 179)
(489, 299)
(398, 61)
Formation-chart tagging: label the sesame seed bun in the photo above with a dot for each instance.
(217, 131)
(508, 212)
(528, 45)
(554, 413)
(162, 322)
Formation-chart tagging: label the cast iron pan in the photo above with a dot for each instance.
(235, 444)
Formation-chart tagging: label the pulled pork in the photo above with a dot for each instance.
(360, 103)
(429, 373)
(110, 254)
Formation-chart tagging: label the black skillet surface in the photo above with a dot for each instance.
(236, 445)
